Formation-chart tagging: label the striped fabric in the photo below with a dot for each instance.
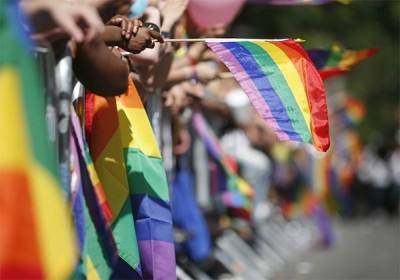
(36, 239)
(129, 165)
(98, 250)
(235, 192)
(337, 61)
(283, 86)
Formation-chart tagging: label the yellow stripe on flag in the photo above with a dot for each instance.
(55, 231)
(292, 77)
(135, 119)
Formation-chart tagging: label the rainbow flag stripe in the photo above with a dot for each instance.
(337, 61)
(282, 84)
(98, 252)
(36, 236)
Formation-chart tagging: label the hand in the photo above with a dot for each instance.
(50, 36)
(206, 71)
(172, 11)
(95, 3)
(210, 55)
(196, 50)
(194, 93)
(175, 99)
(129, 27)
(80, 21)
(144, 39)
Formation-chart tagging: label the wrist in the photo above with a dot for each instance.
(166, 26)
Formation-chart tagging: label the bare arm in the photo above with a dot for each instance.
(99, 70)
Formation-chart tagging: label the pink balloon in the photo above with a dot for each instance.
(208, 13)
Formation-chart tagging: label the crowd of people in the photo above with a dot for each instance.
(100, 63)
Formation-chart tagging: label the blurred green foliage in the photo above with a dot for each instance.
(361, 24)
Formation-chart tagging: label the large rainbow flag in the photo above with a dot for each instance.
(36, 236)
(129, 165)
(337, 61)
(282, 84)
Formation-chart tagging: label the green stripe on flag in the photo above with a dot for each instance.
(146, 174)
(125, 235)
(13, 52)
(280, 86)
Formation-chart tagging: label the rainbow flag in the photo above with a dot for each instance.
(297, 2)
(130, 168)
(98, 252)
(353, 111)
(36, 239)
(235, 192)
(337, 61)
(282, 84)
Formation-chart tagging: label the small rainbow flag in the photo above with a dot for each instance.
(235, 192)
(282, 84)
(352, 112)
(337, 61)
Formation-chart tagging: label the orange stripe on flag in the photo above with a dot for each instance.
(19, 254)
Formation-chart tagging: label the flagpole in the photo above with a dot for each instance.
(190, 40)
(211, 40)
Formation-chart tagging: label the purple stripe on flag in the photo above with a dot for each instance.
(202, 129)
(319, 57)
(153, 220)
(233, 199)
(250, 88)
(156, 258)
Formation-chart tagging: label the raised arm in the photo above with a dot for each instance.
(99, 70)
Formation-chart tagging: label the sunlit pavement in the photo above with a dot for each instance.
(366, 248)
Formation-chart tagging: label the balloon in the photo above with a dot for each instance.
(138, 8)
(209, 13)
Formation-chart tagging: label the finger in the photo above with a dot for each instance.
(124, 26)
(70, 26)
(129, 30)
(156, 36)
(116, 20)
(136, 25)
(94, 23)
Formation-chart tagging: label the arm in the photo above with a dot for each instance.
(112, 36)
(150, 56)
(46, 15)
(99, 70)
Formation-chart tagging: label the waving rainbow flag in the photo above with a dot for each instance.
(282, 84)
(337, 61)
